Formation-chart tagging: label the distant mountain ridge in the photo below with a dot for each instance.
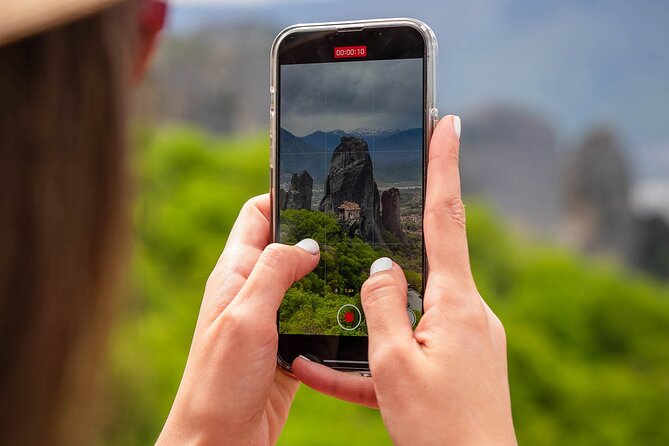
(393, 140)
(392, 151)
(366, 131)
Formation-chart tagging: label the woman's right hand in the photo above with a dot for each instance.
(446, 382)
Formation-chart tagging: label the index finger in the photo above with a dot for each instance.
(251, 229)
(444, 215)
(342, 385)
(248, 237)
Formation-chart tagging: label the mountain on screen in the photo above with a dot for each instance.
(392, 140)
(395, 152)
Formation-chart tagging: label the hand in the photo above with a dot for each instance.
(446, 382)
(232, 391)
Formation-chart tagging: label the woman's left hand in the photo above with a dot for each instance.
(232, 390)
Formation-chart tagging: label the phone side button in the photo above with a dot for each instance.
(271, 179)
(434, 118)
(272, 148)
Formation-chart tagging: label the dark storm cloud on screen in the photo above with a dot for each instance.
(382, 94)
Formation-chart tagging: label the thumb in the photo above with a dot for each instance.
(384, 299)
(278, 267)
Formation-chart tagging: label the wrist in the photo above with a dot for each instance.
(185, 430)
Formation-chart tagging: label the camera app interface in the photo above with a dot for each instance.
(351, 177)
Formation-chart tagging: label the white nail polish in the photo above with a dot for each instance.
(309, 245)
(382, 264)
(457, 125)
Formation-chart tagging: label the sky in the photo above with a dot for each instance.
(380, 94)
(578, 64)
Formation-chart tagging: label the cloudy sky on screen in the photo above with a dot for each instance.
(380, 94)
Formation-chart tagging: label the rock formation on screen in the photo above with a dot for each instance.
(351, 179)
(390, 217)
(300, 192)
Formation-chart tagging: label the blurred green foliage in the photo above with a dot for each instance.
(588, 342)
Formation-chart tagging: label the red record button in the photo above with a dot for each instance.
(349, 317)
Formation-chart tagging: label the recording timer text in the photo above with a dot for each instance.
(341, 52)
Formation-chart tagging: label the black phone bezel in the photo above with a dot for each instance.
(303, 47)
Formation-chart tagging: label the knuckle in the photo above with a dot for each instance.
(234, 320)
(378, 288)
(497, 327)
(389, 356)
(217, 281)
(278, 261)
(248, 208)
(455, 209)
(274, 256)
(225, 272)
(252, 207)
(214, 278)
(473, 317)
(452, 209)
(250, 204)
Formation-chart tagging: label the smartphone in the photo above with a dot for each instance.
(352, 109)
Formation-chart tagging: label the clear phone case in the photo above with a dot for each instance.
(430, 107)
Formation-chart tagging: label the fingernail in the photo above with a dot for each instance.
(382, 264)
(309, 245)
(312, 358)
(457, 125)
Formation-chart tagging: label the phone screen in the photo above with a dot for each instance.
(350, 176)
